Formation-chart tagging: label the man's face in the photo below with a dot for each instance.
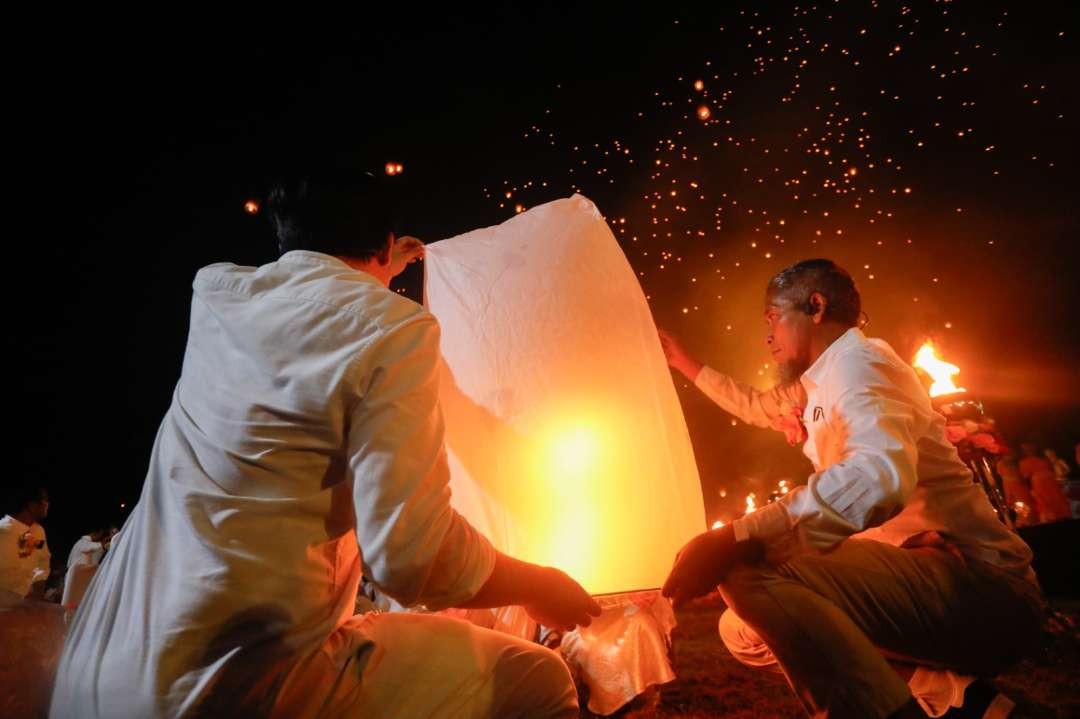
(788, 336)
(40, 508)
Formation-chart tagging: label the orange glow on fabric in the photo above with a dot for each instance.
(565, 438)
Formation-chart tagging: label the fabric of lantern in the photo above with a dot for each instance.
(566, 440)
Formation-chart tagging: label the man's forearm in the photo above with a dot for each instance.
(511, 582)
(689, 366)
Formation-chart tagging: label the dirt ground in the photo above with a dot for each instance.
(711, 683)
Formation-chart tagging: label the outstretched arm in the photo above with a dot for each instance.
(777, 408)
(415, 547)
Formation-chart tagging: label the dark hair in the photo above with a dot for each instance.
(23, 495)
(798, 282)
(337, 213)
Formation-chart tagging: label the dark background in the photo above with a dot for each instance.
(143, 137)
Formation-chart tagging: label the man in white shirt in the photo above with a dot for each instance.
(304, 447)
(890, 551)
(83, 561)
(24, 553)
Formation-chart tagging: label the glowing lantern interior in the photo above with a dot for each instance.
(566, 441)
(940, 371)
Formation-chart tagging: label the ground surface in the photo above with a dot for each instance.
(711, 683)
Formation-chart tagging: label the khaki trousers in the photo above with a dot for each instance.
(829, 621)
(416, 665)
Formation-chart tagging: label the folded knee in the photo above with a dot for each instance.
(538, 680)
(743, 642)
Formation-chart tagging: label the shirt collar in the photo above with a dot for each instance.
(811, 378)
(18, 525)
(309, 257)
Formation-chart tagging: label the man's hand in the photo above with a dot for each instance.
(560, 603)
(548, 595)
(701, 564)
(677, 356)
(405, 250)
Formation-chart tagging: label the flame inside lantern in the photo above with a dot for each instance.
(751, 502)
(940, 371)
(718, 524)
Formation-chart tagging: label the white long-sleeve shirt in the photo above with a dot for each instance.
(24, 555)
(303, 441)
(85, 552)
(82, 563)
(883, 467)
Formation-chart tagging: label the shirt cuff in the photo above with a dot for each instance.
(706, 379)
(741, 532)
(770, 521)
(464, 564)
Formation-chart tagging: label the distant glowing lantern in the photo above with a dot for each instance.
(394, 168)
(704, 113)
(519, 208)
(251, 207)
(699, 85)
(939, 371)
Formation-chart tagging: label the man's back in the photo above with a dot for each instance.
(242, 550)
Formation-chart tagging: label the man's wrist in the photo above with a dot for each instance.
(690, 368)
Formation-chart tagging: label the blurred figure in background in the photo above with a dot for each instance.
(24, 553)
(1017, 493)
(82, 562)
(1050, 501)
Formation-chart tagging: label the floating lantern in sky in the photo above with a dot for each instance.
(549, 455)
(699, 85)
(251, 207)
(394, 168)
(703, 112)
(940, 371)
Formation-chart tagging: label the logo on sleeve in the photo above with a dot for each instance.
(819, 413)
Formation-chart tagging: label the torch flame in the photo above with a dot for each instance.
(940, 371)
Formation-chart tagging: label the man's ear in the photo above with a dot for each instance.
(817, 303)
(387, 251)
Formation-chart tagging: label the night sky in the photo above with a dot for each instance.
(928, 147)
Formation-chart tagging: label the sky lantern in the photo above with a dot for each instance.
(394, 168)
(251, 207)
(939, 371)
(566, 442)
(703, 112)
